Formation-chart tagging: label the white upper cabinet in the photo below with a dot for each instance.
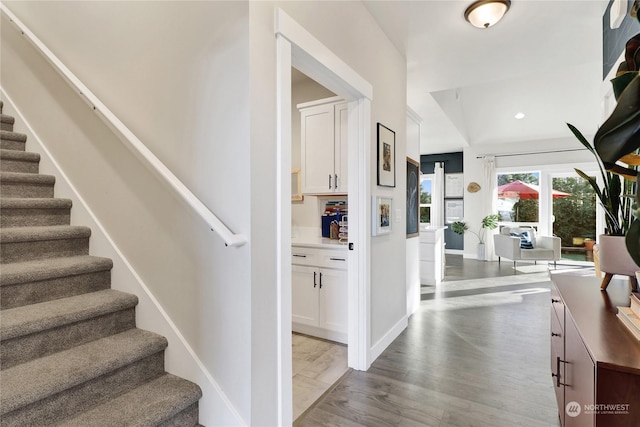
(324, 146)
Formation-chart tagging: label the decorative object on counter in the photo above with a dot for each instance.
(413, 198)
(296, 185)
(382, 220)
(489, 222)
(343, 232)
(386, 156)
(333, 212)
(473, 187)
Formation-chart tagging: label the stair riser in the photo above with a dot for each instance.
(188, 417)
(10, 217)
(9, 144)
(23, 190)
(26, 293)
(24, 349)
(6, 126)
(77, 399)
(11, 165)
(31, 250)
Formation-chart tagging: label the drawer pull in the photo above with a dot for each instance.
(314, 279)
(299, 256)
(553, 300)
(557, 376)
(553, 334)
(337, 259)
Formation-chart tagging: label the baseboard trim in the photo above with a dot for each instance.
(384, 342)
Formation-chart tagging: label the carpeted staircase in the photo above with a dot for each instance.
(70, 352)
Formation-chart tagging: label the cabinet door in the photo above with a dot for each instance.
(304, 295)
(579, 378)
(341, 147)
(333, 300)
(318, 149)
(557, 356)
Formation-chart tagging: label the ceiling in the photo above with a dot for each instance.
(543, 59)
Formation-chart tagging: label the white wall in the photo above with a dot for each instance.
(473, 171)
(413, 244)
(195, 81)
(177, 73)
(351, 33)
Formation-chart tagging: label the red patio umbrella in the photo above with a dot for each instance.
(524, 190)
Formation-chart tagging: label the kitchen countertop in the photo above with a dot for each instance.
(317, 242)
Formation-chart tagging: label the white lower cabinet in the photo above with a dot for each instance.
(319, 293)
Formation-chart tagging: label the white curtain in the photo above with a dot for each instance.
(490, 196)
(437, 198)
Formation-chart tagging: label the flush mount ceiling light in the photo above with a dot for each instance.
(486, 13)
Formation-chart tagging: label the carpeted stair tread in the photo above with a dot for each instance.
(13, 136)
(34, 380)
(43, 269)
(27, 156)
(34, 203)
(147, 405)
(30, 319)
(26, 178)
(54, 232)
(6, 122)
(19, 155)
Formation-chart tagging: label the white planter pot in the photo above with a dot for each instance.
(481, 251)
(614, 257)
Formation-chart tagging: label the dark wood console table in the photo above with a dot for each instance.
(595, 361)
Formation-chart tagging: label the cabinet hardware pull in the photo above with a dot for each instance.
(553, 334)
(299, 256)
(336, 180)
(554, 300)
(337, 259)
(314, 279)
(329, 181)
(320, 280)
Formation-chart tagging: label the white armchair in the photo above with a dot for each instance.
(545, 248)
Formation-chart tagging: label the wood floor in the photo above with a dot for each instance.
(475, 354)
(317, 365)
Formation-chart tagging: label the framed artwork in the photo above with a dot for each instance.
(413, 198)
(453, 185)
(453, 211)
(296, 185)
(381, 222)
(386, 156)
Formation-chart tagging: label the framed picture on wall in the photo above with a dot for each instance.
(381, 221)
(413, 197)
(453, 211)
(453, 185)
(386, 156)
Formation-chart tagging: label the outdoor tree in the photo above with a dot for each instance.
(575, 215)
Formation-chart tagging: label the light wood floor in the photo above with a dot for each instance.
(475, 354)
(317, 365)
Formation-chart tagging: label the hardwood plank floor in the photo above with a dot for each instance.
(475, 354)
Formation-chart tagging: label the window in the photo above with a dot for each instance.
(518, 195)
(425, 198)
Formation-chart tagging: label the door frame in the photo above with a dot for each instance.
(297, 48)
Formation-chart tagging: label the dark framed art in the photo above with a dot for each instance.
(413, 198)
(386, 156)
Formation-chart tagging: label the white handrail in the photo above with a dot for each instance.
(131, 141)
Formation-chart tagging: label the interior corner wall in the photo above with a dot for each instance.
(348, 30)
(413, 243)
(185, 94)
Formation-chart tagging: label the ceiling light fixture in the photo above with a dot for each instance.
(486, 13)
(519, 116)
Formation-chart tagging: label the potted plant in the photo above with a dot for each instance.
(617, 141)
(489, 222)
